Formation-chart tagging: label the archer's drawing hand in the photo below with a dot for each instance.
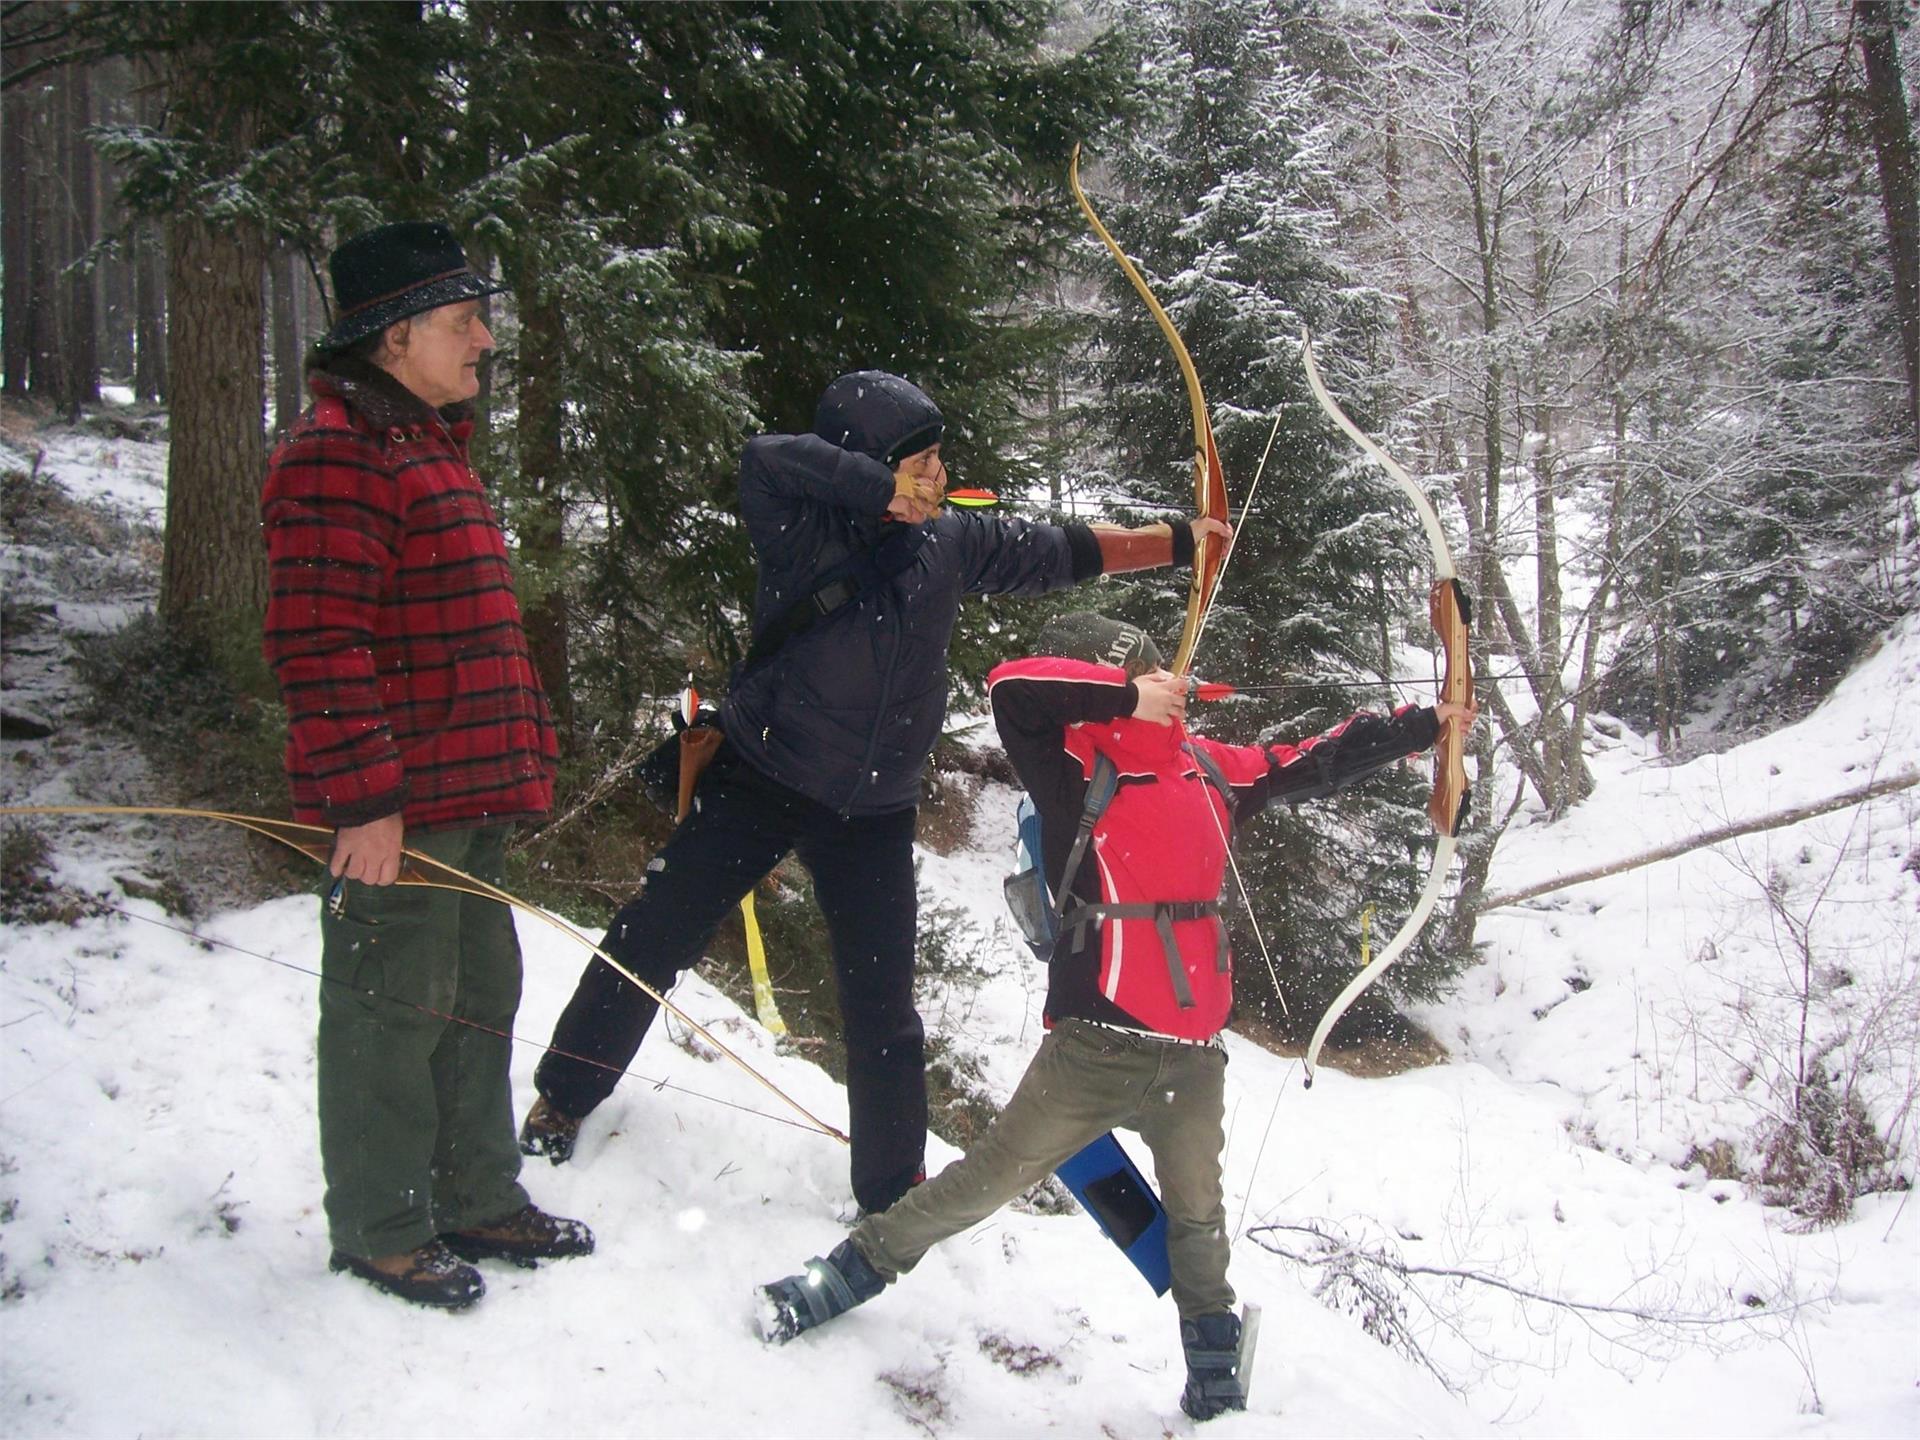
(1163, 698)
(919, 485)
(914, 500)
(369, 853)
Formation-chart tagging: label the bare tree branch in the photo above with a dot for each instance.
(1885, 786)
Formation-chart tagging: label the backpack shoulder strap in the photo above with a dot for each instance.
(1100, 787)
(1215, 776)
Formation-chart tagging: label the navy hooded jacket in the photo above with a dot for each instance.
(847, 711)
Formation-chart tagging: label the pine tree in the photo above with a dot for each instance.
(908, 166)
(1226, 211)
(268, 122)
(706, 213)
(593, 192)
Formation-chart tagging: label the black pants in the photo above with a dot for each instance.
(862, 868)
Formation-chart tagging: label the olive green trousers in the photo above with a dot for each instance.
(417, 998)
(1084, 1081)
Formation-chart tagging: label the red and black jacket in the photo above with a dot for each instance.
(1163, 838)
(392, 623)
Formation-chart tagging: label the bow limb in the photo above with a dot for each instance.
(1210, 502)
(1451, 613)
(316, 843)
(1209, 482)
(1396, 947)
(1429, 518)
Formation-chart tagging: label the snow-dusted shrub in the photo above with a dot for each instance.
(29, 894)
(180, 702)
(1823, 1155)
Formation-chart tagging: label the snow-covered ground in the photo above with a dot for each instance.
(163, 1255)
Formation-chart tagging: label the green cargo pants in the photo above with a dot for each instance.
(1084, 1081)
(417, 1001)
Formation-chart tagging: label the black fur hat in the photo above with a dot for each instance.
(389, 273)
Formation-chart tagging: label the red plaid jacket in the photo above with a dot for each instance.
(391, 622)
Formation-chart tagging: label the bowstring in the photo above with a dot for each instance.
(1206, 613)
(424, 867)
(1233, 541)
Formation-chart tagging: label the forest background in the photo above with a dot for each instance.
(1633, 286)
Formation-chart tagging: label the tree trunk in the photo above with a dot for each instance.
(541, 368)
(1733, 830)
(1614, 366)
(288, 390)
(213, 583)
(46, 311)
(1891, 125)
(1666, 682)
(111, 103)
(1560, 753)
(16, 232)
(149, 265)
(149, 314)
(81, 353)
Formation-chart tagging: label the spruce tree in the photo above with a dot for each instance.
(906, 165)
(594, 191)
(1224, 205)
(707, 212)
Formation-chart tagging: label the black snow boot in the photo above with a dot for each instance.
(1212, 1343)
(548, 1132)
(825, 1289)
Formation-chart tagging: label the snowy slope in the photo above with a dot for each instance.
(163, 1256)
(1685, 972)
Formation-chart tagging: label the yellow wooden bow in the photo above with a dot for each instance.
(316, 843)
(1209, 483)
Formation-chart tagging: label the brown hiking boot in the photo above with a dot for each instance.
(548, 1132)
(431, 1275)
(524, 1237)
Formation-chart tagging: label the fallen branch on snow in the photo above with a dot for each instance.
(1887, 786)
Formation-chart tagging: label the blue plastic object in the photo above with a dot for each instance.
(1110, 1187)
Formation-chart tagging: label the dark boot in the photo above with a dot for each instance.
(548, 1132)
(430, 1275)
(524, 1237)
(825, 1289)
(1212, 1343)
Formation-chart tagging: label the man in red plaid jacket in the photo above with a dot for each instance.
(416, 720)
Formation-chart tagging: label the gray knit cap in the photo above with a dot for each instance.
(1084, 635)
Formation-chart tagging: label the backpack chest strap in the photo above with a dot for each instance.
(1163, 914)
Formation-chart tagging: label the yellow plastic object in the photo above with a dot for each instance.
(764, 1005)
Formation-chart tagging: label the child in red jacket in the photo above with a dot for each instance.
(1140, 979)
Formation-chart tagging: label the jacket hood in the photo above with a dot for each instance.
(878, 415)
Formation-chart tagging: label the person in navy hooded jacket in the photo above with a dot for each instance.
(829, 724)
